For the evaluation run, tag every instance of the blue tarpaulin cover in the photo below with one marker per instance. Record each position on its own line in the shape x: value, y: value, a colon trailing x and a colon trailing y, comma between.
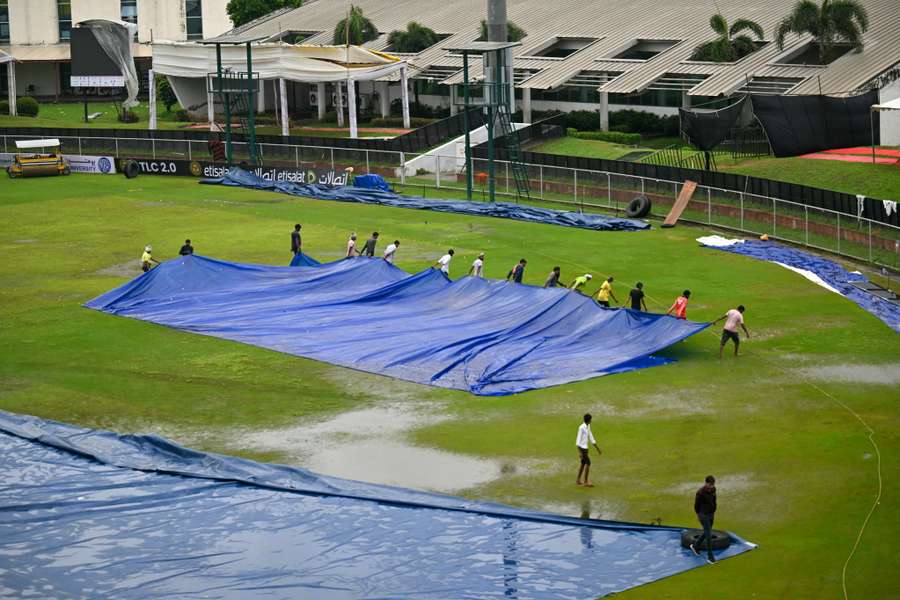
x: 304, y: 260
x: 830, y: 272
x: 371, y: 181
x: 520, y: 212
x: 485, y: 336
x: 91, y: 514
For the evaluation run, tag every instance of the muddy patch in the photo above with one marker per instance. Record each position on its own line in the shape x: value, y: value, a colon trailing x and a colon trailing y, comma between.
x: 886, y: 374
x: 129, y: 269
x: 370, y: 445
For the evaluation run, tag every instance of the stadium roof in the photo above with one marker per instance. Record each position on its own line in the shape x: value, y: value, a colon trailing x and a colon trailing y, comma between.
x: 596, y: 34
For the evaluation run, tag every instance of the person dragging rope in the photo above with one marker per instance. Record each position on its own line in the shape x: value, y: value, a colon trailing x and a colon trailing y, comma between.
x: 734, y: 318
x: 147, y: 259
x: 584, y: 438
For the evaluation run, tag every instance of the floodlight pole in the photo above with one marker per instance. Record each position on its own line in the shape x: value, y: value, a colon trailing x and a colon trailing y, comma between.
x: 466, y: 125
x: 224, y: 100
x: 251, y: 124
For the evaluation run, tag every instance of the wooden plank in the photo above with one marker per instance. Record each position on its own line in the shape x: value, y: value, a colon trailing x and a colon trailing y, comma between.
x: 687, y: 192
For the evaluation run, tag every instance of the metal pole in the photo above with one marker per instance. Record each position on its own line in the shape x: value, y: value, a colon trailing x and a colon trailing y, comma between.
x: 332, y: 158
x: 575, y: 182
x: 367, y: 162
x: 251, y: 109
x: 541, y: 172
x: 806, y: 225
x: 708, y: 205
x: 872, y: 132
x: 741, y: 194
x: 437, y: 171
x: 224, y: 100
x: 839, y: 233
x: 609, y: 193
x: 403, y: 169
x: 466, y: 125
x: 870, y: 240
x: 774, y: 217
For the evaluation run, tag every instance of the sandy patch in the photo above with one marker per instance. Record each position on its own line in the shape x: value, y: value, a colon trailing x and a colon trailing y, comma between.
x: 129, y: 269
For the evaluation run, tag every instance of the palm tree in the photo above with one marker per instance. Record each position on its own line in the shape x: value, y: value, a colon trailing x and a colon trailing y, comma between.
x: 415, y: 38
x: 356, y: 27
x: 514, y: 33
x: 729, y: 46
x: 829, y: 23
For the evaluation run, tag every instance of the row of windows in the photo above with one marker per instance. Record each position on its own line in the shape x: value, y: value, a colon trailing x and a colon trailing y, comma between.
x: 192, y: 8
x: 4, y: 22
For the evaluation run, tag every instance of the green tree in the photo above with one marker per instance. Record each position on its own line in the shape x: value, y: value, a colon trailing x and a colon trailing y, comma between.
x: 831, y: 22
x: 415, y: 38
x: 244, y: 11
x: 359, y: 27
x: 165, y: 93
x: 514, y: 33
x: 731, y: 45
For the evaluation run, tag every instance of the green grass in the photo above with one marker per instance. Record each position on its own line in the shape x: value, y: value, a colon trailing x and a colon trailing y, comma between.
x: 874, y: 180
x: 796, y: 470
x: 71, y: 115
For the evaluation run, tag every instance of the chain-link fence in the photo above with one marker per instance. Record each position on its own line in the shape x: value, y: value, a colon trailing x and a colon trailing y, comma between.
x: 441, y: 173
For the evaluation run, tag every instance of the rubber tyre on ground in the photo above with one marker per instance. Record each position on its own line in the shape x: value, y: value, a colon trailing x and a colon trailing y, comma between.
x: 720, y: 539
x: 67, y: 171
x: 12, y: 174
x: 638, y: 207
x: 131, y: 169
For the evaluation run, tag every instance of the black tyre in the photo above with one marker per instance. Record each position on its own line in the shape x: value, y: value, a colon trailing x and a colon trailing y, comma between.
x: 66, y: 170
x: 131, y: 169
x: 639, y: 207
x: 12, y: 174
x: 720, y: 539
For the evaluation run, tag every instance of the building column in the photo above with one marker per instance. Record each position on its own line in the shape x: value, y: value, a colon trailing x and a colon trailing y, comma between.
x: 11, y: 83
x: 151, y: 85
x: 404, y: 98
x: 351, y: 107
x: 261, y: 97
x: 526, y: 105
x: 685, y: 100
x: 339, y: 103
x: 210, y: 106
x: 384, y: 97
x: 511, y: 73
x: 322, y: 106
x: 285, y: 120
x: 453, y: 107
x: 604, y: 111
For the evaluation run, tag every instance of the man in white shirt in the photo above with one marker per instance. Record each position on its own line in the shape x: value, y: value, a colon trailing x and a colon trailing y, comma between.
x: 477, y: 266
x: 390, y: 251
x: 584, y: 438
x: 444, y: 262
x: 351, y: 246
x: 734, y: 318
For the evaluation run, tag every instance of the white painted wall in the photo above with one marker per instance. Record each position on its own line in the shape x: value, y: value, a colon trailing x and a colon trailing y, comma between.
x: 215, y: 18
x: 82, y: 10
x: 161, y: 20
x: 33, y: 22
x: 890, y: 119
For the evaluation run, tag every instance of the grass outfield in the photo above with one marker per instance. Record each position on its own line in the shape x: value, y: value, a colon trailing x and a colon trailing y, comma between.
x: 797, y: 473
x: 875, y: 180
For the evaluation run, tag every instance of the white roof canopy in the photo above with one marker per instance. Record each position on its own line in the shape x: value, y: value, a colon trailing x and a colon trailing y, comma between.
x: 890, y: 105
x: 29, y: 144
x: 309, y: 64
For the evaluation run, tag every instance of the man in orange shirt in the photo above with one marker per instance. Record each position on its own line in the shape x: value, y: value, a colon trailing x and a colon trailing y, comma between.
x: 680, y: 305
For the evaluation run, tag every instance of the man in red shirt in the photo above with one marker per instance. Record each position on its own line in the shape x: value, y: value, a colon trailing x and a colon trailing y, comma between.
x: 680, y: 305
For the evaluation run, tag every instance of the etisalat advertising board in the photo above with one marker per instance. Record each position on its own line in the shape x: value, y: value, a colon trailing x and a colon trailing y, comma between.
x: 211, y: 170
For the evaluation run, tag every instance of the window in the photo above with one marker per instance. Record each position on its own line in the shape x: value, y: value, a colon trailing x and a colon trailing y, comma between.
x: 4, y: 21
x: 193, y: 13
x: 129, y: 11
x: 808, y: 55
x: 560, y: 47
x: 644, y: 49
x: 292, y: 37
x: 64, y: 15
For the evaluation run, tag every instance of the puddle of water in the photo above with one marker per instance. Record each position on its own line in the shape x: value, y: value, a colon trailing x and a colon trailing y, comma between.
x: 25, y: 241
x: 725, y: 485
x: 887, y: 374
x: 369, y: 445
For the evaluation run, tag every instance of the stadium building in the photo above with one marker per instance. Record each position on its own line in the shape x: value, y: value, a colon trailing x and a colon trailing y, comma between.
x: 35, y: 33
x: 604, y: 55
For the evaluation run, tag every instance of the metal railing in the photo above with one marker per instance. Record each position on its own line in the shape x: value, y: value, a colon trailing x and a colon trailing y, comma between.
x: 585, y: 190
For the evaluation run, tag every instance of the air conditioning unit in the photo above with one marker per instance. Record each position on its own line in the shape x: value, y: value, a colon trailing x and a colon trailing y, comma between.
x: 334, y: 99
x: 313, y: 98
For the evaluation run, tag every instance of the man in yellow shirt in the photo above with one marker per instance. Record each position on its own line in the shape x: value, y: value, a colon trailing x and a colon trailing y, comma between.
x: 605, y: 293
x: 580, y: 282
x: 147, y: 258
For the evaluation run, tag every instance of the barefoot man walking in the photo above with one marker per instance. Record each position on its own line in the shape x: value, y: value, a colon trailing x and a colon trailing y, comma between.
x: 584, y: 438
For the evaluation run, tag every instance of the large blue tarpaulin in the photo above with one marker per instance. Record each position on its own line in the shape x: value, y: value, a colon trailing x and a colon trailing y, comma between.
x: 507, y: 210
x: 836, y: 276
x: 90, y: 514
x: 485, y: 336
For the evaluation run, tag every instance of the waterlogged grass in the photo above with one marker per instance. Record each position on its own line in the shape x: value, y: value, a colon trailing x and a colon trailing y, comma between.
x: 797, y: 474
